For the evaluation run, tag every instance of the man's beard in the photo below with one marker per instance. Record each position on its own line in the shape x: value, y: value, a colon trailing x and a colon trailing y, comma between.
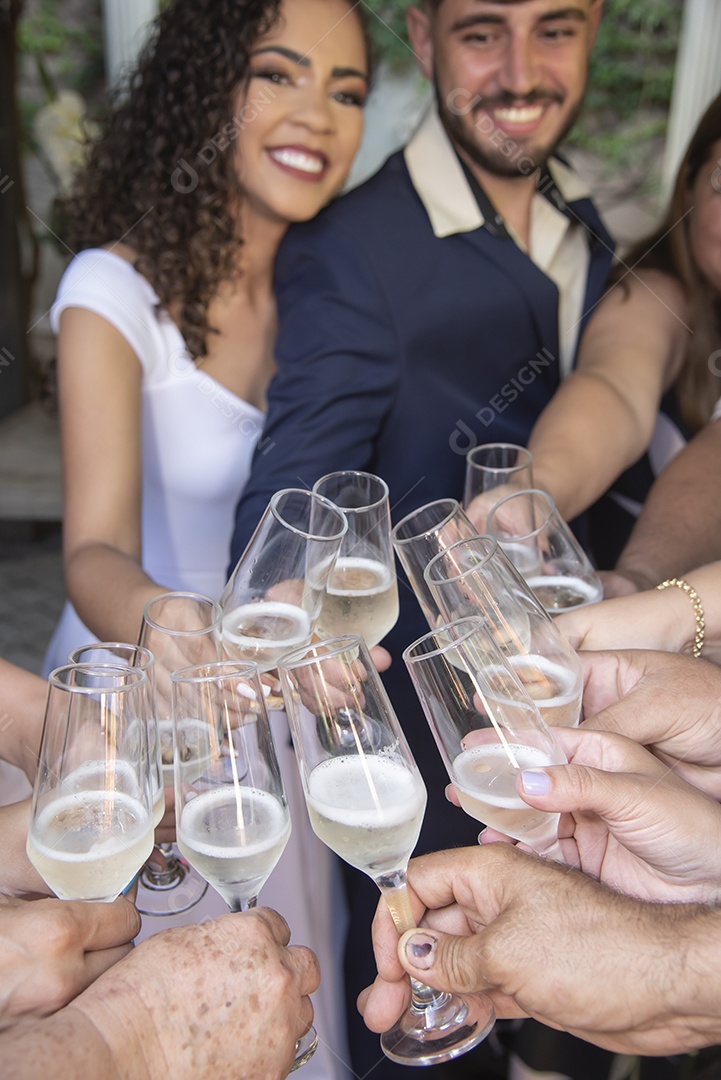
x: 519, y: 159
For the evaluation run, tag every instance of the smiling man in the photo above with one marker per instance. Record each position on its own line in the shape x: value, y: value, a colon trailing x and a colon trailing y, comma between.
x: 435, y: 307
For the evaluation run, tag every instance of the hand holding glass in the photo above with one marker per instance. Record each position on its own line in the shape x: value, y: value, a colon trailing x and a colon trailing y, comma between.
x: 362, y: 590
x: 231, y: 812
x: 538, y: 541
x: 487, y: 728
x: 474, y: 577
x: 366, y: 801
x: 273, y: 599
x: 91, y: 823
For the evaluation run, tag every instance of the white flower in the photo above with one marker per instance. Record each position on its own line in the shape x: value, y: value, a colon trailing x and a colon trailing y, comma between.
x: 61, y: 132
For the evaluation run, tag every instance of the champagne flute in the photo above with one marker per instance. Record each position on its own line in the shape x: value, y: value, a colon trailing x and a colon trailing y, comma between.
x: 274, y: 596
x: 474, y: 577
x: 91, y: 825
x: 366, y: 801
x: 121, y: 653
x: 496, y: 465
x: 422, y: 534
x: 362, y: 590
x: 487, y: 728
x: 538, y: 541
x: 232, y: 817
x: 180, y: 628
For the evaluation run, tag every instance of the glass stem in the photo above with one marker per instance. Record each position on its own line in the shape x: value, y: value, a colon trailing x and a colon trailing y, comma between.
x: 242, y: 903
x: 395, y: 892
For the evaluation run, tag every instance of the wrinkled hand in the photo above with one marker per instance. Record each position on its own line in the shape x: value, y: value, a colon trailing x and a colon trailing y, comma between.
x: 51, y: 950
x: 227, y: 997
x: 669, y: 703
x: 628, y: 821
x: 547, y: 942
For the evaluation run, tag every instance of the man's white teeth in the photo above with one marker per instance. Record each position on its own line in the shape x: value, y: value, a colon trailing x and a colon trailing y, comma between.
x: 526, y: 115
x: 296, y: 159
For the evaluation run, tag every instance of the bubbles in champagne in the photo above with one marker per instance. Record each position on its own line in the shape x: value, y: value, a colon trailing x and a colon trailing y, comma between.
x: 368, y: 809
x: 234, y: 837
x: 265, y: 630
x: 485, y: 780
x: 361, y: 598
x: 560, y: 593
x: 89, y: 844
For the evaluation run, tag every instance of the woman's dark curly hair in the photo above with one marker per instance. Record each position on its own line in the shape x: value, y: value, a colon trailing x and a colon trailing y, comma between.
x: 136, y: 185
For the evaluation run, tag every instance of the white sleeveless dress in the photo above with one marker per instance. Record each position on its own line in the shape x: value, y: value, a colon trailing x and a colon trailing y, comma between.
x: 198, y: 440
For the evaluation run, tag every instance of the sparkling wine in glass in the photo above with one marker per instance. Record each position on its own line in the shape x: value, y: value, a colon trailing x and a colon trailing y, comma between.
x: 420, y: 536
x: 474, y: 577
x: 366, y: 801
x: 538, y: 541
x: 122, y: 653
x: 232, y: 817
x: 486, y: 727
x: 274, y: 596
x: 362, y: 590
x: 91, y: 823
x: 180, y: 629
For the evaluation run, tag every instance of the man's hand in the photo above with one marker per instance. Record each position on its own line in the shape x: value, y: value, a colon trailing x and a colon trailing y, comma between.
x: 51, y: 950
x: 548, y: 942
x: 627, y: 820
x: 227, y: 997
x: 669, y: 703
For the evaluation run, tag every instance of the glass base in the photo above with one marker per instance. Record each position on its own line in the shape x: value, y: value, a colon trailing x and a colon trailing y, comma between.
x: 305, y: 1048
x: 430, y: 1036
x: 171, y: 891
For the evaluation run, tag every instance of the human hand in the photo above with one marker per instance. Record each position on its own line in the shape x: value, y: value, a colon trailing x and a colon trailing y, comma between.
x: 513, y: 518
x: 51, y: 950
x: 227, y: 997
x: 550, y: 943
x: 646, y: 620
x: 18, y: 876
x: 669, y: 703
x: 622, y: 583
x: 627, y: 820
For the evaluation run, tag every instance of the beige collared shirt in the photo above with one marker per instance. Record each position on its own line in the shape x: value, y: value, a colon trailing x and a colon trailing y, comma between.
x: 557, y: 245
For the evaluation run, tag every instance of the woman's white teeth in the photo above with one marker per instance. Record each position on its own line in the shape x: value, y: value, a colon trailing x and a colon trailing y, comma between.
x: 295, y: 159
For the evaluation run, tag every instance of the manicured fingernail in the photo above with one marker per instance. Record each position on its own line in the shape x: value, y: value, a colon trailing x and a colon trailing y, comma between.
x: 535, y: 783
x: 481, y: 834
x: 421, y: 950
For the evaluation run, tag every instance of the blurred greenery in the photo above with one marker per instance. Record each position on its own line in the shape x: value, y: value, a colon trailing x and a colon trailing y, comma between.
x: 57, y: 53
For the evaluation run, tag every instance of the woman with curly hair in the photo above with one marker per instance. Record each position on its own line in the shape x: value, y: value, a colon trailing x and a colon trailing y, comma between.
x: 242, y: 117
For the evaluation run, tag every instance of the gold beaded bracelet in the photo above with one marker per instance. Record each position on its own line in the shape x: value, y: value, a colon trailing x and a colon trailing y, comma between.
x: 697, y: 610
